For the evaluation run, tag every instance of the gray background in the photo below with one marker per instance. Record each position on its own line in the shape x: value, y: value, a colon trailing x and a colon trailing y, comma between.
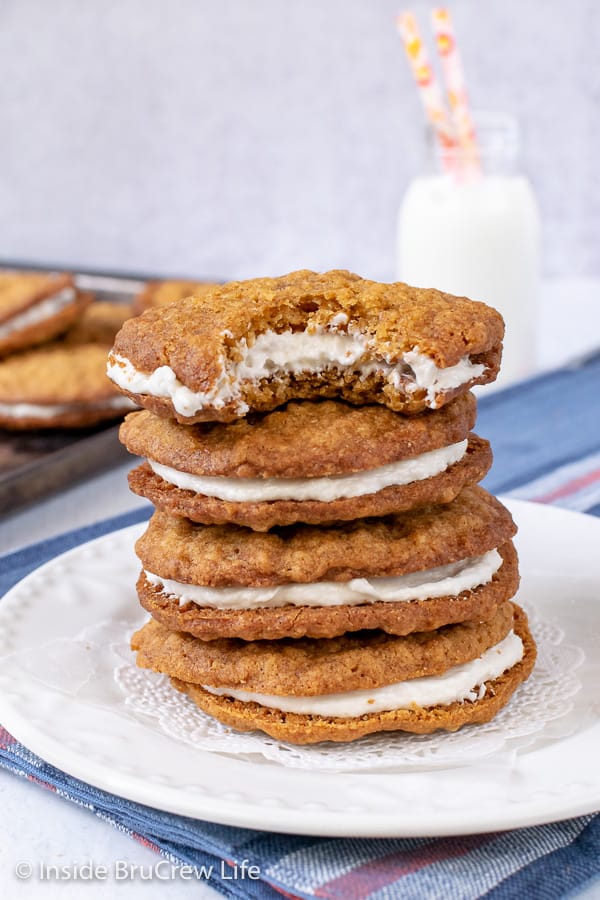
x: 232, y: 138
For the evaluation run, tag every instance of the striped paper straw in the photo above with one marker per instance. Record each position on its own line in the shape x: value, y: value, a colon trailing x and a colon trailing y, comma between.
x: 429, y: 89
x: 452, y: 71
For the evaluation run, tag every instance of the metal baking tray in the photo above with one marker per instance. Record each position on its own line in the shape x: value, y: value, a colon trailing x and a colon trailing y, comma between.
x: 34, y: 464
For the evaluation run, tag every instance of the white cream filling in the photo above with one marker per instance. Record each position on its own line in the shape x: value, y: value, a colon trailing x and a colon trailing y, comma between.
x: 460, y: 683
x: 48, y: 411
x: 434, y: 380
x: 45, y: 309
x: 249, y: 490
x: 313, y: 350
x: 164, y: 383
x: 443, y: 581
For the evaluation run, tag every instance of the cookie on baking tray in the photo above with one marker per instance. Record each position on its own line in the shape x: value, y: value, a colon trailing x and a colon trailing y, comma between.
x: 315, y: 462
x: 58, y: 386
x: 98, y: 323
x: 162, y: 293
x: 306, y: 691
x: 35, y: 307
x: 410, y: 572
x: 254, y: 345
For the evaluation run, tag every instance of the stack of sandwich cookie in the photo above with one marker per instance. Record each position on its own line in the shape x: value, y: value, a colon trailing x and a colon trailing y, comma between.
x: 321, y: 564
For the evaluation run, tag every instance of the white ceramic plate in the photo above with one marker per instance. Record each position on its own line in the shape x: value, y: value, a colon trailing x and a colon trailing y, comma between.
x: 556, y: 777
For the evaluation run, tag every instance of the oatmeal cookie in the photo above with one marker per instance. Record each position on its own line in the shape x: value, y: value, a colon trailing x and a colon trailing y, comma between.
x: 421, y: 539
x: 310, y: 668
x: 315, y: 462
x: 293, y: 621
x: 98, y: 323
x: 162, y: 293
x: 58, y: 386
x: 254, y: 345
x: 481, y: 704
x: 35, y: 307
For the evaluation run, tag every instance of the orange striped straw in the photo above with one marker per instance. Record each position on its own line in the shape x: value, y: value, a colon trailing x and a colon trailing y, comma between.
x: 429, y: 89
x: 453, y: 73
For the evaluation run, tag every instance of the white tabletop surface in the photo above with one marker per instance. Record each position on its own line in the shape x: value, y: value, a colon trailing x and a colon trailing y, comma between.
x: 36, y: 825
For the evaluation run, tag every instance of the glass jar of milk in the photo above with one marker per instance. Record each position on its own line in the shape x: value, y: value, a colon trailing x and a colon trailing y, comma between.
x: 472, y: 228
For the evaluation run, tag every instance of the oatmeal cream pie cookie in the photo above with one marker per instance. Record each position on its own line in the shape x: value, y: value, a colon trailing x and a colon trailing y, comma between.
x: 162, y: 293
x: 307, y: 691
x: 98, y: 323
x: 316, y: 462
x: 411, y: 572
x: 58, y: 386
x: 253, y: 345
x: 35, y: 307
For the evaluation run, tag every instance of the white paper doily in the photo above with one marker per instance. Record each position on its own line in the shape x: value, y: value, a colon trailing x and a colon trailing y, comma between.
x: 545, y: 697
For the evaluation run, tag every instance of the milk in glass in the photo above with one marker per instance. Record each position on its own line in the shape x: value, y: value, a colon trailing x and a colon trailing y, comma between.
x: 471, y: 227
